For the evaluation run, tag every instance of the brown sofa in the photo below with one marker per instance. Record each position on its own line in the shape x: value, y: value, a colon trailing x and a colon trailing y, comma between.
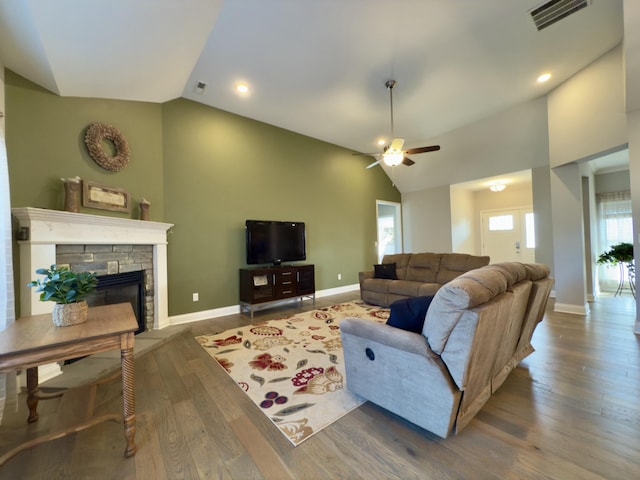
x: 477, y: 328
x: 418, y: 274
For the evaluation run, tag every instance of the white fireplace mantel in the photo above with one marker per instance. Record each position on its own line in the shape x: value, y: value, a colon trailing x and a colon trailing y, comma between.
x: 40, y: 230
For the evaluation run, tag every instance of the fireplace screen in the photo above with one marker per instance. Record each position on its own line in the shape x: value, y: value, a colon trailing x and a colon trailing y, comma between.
x: 121, y: 288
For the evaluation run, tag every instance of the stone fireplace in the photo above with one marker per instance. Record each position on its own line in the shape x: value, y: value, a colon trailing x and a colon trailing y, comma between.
x: 125, y: 274
x: 107, y: 245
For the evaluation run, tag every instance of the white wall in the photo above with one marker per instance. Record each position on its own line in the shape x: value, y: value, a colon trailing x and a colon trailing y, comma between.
x: 568, y: 239
x: 634, y: 170
x: 508, y: 141
x: 464, y: 222
x: 632, y: 98
x: 612, y: 182
x: 514, y: 196
x: 586, y: 113
x: 541, y: 190
x: 590, y: 222
x: 427, y: 220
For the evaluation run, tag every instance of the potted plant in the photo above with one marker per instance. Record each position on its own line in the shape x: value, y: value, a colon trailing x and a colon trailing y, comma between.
x: 68, y: 290
x: 621, y: 255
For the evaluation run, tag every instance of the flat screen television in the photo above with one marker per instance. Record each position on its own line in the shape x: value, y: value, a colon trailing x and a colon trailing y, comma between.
x: 274, y: 242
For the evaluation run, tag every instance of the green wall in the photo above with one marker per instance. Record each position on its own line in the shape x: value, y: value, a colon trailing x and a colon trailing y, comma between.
x: 206, y: 171
x: 45, y: 141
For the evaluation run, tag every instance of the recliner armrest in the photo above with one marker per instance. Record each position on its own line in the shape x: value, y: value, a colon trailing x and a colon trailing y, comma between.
x: 387, y: 335
x: 364, y: 275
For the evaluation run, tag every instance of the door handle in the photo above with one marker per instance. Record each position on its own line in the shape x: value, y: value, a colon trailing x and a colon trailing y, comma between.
x: 518, y: 245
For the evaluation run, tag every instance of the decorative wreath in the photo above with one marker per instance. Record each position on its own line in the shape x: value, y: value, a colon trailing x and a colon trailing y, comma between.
x: 96, y: 133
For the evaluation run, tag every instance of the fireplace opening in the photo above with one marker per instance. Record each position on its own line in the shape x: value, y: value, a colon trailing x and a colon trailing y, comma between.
x: 121, y: 288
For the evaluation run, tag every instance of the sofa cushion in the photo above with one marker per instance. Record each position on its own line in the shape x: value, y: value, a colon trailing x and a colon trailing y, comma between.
x: 423, y: 267
x: 428, y: 289
x: 401, y: 260
x: 385, y: 270
x: 409, y: 314
x: 453, y: 264
x: 514, y: 271
x: 537, y: 271
x: 379, y: 285
x: 453, y: 299
x: 404, y: 287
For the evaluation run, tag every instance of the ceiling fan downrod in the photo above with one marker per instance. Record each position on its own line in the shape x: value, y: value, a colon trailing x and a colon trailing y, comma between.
x: 390, y: 84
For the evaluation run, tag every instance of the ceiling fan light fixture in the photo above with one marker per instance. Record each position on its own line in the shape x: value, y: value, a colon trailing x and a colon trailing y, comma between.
x: 393, y: 158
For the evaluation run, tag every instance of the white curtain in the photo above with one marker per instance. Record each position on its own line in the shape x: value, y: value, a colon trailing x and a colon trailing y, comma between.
x: 615, y: 226
x: 7, y: 307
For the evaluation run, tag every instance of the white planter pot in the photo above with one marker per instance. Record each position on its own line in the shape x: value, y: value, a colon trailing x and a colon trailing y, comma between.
x: 65, y: 314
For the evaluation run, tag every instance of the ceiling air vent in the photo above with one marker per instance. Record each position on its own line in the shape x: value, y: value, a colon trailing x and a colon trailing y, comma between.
x: 199, y: 88
x: 555, y: 10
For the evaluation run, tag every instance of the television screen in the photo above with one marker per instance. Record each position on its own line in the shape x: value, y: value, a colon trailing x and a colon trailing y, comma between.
x: 275, y: 242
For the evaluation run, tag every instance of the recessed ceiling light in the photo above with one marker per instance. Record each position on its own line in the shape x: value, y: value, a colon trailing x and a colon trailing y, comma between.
x: 242, y: 88
x: 544, y: 77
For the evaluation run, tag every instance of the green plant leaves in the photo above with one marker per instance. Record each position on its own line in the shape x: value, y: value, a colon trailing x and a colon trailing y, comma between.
x: 61, y: 285
x: 619, y: 253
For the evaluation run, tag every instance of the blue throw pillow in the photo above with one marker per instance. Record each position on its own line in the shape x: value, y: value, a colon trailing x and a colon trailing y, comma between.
x: 409, y: 314
x: 385, y: 270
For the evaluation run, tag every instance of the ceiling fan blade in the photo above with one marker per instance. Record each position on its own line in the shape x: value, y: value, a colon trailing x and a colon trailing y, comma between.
x: 373, y: 164
x: 432, y: 148
x: 396, y: 144
x: 368, y: 154
x: 407, y: 161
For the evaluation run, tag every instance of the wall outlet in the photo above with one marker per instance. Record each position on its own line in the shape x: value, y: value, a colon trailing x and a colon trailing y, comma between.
x: 196, y: 297
x: 339, y: 276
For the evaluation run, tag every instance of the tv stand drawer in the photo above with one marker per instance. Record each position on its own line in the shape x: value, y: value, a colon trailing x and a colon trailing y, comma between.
x: 263, y: 285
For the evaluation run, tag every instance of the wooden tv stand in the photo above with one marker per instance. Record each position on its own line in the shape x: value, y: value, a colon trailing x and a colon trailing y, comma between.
x: 263, y: 287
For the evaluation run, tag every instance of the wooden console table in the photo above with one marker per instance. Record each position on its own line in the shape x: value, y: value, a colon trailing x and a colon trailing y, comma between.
x: 33, y: 341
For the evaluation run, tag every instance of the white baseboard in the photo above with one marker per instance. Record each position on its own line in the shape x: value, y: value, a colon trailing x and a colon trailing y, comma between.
x: 335, y: 291
x: 572, y: 309
x: 232, y: 309
x: 203, y: 315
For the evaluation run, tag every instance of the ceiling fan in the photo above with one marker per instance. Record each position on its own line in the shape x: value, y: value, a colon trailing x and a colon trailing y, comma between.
x: 393, y: 153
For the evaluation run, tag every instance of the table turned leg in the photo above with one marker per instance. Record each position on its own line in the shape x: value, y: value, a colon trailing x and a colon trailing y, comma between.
x: 32, y: 394
x: 129, y: 400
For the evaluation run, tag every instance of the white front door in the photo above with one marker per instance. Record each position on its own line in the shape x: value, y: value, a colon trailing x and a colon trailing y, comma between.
x: 508, y: 235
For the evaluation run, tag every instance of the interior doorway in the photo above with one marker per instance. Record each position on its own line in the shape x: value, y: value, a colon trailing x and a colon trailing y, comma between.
x: 389, y: 223
x: 509, y: 235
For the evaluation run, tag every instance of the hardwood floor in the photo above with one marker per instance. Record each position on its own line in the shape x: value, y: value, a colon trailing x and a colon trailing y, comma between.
x: 571, y: 410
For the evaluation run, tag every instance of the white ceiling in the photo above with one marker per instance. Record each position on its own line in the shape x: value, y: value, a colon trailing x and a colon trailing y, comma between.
x: 314, y: 67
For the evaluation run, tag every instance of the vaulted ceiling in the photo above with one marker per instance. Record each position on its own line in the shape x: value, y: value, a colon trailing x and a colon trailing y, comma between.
x: 314, y: 67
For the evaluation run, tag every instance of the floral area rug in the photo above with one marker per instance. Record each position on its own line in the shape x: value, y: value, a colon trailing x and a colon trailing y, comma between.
x: 293, y: 368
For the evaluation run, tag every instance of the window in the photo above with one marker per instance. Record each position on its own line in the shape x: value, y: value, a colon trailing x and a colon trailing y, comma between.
x: 530, y: 230
x: 615, y: 226
x: 501, y: 222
